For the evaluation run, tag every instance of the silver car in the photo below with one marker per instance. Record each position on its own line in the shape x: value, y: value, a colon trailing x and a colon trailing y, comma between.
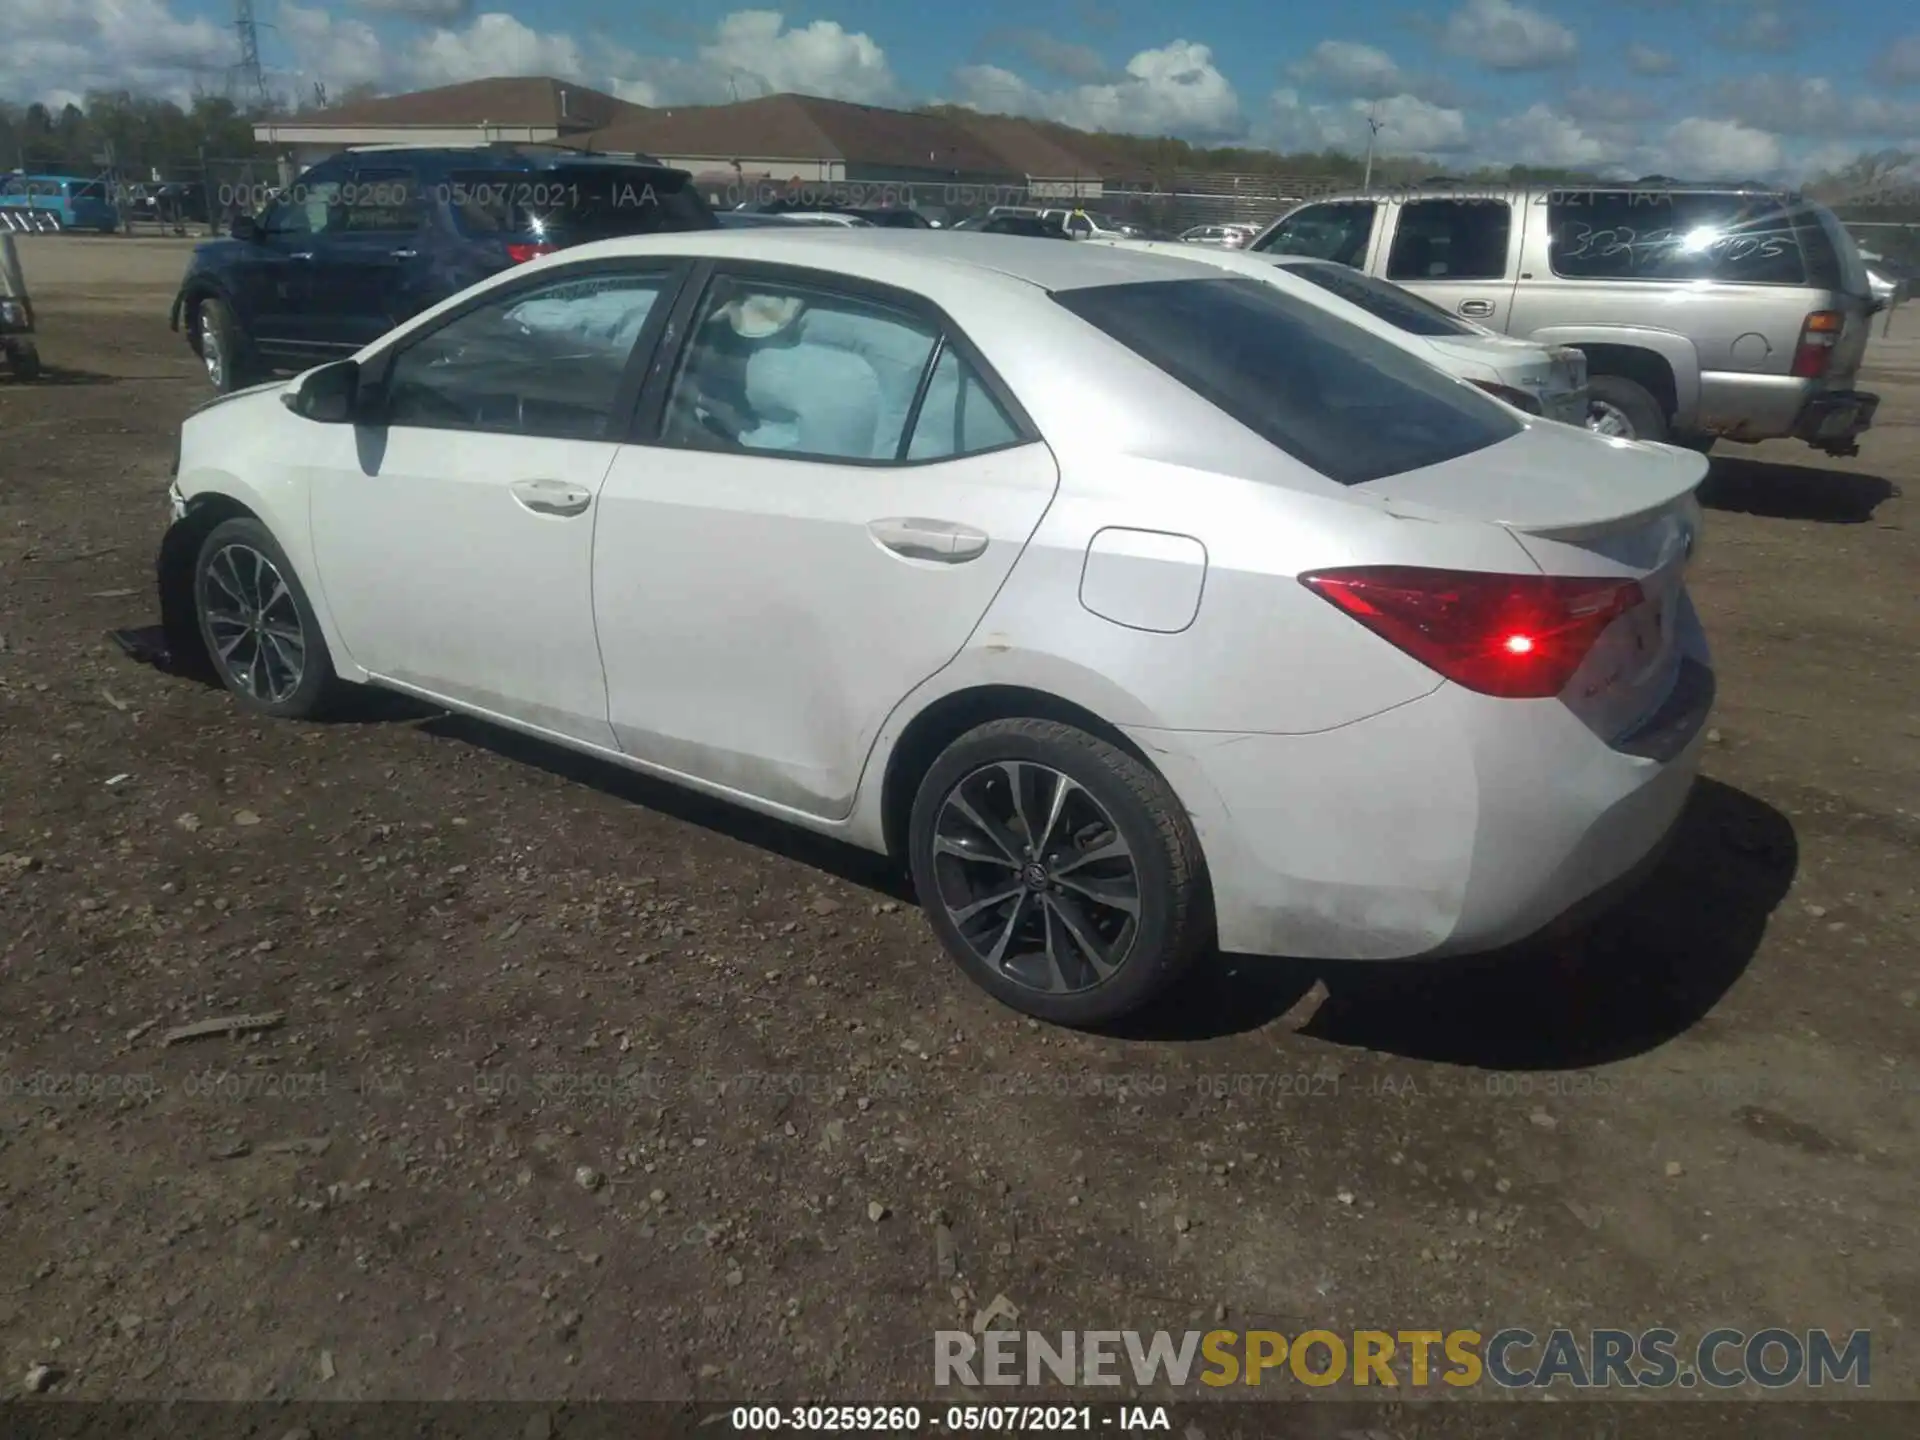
x: 1706, y: 314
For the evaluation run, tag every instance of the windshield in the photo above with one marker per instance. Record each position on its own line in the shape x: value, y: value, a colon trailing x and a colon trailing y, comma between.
x: 1381, y: 299
x: 570, y: 204
x: 1350, y: 404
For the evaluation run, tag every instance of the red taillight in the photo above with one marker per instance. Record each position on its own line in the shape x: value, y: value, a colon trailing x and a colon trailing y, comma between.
x: 1520, y: 637
x: 1519, y: 399
x: 1817, y: 339
x: 521, y: 254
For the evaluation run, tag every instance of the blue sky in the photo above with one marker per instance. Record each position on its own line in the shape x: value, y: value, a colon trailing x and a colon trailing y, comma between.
x: 1735, y: 87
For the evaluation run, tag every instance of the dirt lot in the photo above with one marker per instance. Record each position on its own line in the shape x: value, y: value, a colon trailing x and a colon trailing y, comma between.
x: 586, y: 1089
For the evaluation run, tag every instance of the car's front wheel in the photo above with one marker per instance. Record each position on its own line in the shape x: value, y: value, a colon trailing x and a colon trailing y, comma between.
x: 258, y: 625
x: 224, y: 350
x: 1059, y: 870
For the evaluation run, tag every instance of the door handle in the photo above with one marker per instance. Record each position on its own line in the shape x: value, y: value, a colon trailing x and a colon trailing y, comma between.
x: 552, y: 497
x: 1478, y: 309
x: 301, y: 255
x: 406, y: 254
x: 941, y: 540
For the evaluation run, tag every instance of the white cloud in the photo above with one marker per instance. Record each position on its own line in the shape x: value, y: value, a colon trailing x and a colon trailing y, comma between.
x: 1504, y: 36
x: 1764, y: 28
x: 1646, y: 60
x: 1614, y: 107
x: 493, y: 44
x: 1700, y: 148
x: 1812, y: 105
x: 337, y: 52
x: 1541, y: 135
x: 750, y: 52
x: 1408, y: 125
x: 1899, y: 63
x: 1173, y: 90
x: 63, y: 48
x: 1348, y: 68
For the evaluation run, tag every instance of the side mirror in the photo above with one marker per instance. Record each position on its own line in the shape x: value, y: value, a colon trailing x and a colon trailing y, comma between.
x: 245, y: 227
x: 327, y: 396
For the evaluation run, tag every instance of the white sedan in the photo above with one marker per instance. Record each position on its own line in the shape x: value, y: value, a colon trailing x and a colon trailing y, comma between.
x: 1131, y: 605
x: 1544, y: 380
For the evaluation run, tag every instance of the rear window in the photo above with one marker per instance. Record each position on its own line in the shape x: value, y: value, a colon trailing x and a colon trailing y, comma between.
x: 1664, y: 235
x: 1383, y: 300
x: 1351, y: 405
x: 567, y: 205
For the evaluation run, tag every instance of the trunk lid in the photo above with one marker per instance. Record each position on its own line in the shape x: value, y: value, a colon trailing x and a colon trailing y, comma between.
x: 1586, y: 505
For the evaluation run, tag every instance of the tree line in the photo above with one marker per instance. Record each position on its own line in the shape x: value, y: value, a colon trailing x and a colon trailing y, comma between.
x: 118, y: 130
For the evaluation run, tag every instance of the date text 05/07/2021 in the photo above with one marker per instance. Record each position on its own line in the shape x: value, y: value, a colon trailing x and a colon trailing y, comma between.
x: 949, y: 1419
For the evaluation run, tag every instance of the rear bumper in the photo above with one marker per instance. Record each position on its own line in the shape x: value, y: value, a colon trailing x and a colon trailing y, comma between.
x: 1750, y: 408
x: 1834, y: 420
x: 1451, y: 825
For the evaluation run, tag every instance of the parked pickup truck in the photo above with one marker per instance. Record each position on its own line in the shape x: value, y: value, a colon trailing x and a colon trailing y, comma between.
x: 1706, y: 313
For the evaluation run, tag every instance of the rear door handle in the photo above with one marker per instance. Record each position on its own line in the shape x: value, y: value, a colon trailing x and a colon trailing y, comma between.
x: 913, y: 538
x: 1478, y: 309
x: 552, y: 497
x: 406, y: 254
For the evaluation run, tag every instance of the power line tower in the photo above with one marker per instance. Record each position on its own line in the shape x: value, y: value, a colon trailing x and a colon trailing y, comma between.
x: 253, y: 80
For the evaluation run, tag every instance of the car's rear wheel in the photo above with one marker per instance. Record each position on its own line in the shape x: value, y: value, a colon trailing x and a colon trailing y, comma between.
x: 223, y: 349
x: 26, y: 361
x: 258, y: 625
x: 1059, y: 870
x: 1624, y: 408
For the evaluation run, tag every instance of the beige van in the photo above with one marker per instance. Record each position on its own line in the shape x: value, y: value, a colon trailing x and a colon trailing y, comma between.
x: 1706, y: 313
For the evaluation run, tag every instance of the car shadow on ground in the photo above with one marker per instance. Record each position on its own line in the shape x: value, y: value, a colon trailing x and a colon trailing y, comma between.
x: 59, y: 376
x: 856, y: 866
x: 1639, y: 976
x: 1794, y: 492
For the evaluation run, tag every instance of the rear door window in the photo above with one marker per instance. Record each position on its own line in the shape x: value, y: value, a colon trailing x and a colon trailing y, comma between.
x: 1451, y: 240
x: 1339, y: 231
x: 1352, y: 405
x: 382, y: 201
x: 1383, y: 300
x: 1667, y: 235
x: 572, y: 204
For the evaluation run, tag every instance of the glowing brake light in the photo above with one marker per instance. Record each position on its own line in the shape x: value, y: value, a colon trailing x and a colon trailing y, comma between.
x: 1519, y: 637
x: 1817, y: 338
x: 521, y: 254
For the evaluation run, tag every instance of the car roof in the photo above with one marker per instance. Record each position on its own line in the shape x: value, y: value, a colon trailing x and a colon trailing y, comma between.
x: 1497, y: 190
x: 898, y: 256
x: 504, y: 157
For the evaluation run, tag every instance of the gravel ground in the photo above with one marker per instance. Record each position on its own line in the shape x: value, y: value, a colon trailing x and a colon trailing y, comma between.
x: 588, y: 1089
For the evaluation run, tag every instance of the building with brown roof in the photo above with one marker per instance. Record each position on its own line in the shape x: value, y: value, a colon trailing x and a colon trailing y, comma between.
x: 528, y: 109
x: 751, y: 149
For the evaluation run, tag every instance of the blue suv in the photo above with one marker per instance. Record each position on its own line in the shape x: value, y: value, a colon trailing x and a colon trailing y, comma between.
x: 370, y: 238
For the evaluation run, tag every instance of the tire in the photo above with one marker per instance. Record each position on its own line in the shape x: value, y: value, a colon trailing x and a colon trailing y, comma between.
x: 1112, y: 794
x: 1629, y: 402
x: 237, y: 561
x: 231, y: 365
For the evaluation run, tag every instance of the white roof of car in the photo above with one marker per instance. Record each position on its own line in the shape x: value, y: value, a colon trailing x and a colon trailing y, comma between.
x: 890, y: 255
